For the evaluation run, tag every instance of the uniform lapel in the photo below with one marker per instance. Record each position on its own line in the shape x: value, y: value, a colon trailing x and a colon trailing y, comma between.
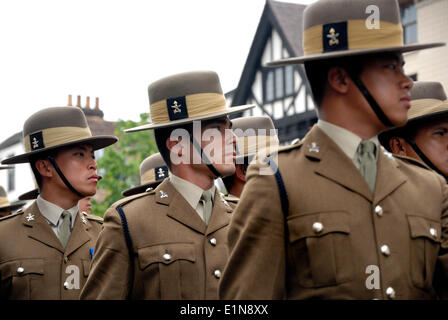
x: 332, y: 163
x: 388, y: 177
x: 220, y: 214
x: 79, y: 234
x: 38, y: 228
x: 179, y: 209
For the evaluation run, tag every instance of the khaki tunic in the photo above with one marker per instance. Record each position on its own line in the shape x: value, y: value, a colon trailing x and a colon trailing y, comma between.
x: 33, y: 263
x: 177, y: 256
x: 367, y: 246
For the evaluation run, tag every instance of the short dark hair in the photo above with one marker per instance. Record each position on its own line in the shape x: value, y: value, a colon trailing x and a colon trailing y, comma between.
x: 40, y: 156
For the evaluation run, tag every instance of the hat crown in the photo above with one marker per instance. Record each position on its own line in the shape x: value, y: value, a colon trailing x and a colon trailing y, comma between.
x: 184, y: 84
x: 427, y: 90
x: 55, y: 117
x: 334, y: 11
x: 2, y: 192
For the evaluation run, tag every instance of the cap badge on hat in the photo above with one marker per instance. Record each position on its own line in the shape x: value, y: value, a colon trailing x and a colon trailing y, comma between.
x: 161, y: 173
x: 37, y: 140
x: 335, y: 36
x: 177, y: 108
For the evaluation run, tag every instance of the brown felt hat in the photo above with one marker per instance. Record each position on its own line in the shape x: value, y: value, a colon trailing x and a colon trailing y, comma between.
x: 341, y: 28
x: 56, y: 127
x: 428, y: 103
x: 186, y: 97
x: 153, y: 170
x: 254, y: 134
x: 5, y: 204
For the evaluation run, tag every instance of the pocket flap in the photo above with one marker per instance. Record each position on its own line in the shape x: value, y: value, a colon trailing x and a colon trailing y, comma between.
x: 317, y: 224
x: 22, y: 267
x: 166, y: 253
x: 424, y: 227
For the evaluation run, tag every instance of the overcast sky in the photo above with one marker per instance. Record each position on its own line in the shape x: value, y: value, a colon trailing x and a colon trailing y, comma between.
x: 113, y: 49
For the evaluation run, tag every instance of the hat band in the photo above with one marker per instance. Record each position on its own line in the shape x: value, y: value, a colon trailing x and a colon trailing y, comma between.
x: 197, y: 105
x: 351, y: 35
x: 248, y: 145
x: 4, y: 202
x: 154, y: 175
x: 423, y: 107
x: 54, y: 136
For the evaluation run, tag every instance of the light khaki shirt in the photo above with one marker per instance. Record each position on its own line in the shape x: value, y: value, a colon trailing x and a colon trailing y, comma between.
x: 344, y: 139
x: 53, y: 213
x: 192, y: 193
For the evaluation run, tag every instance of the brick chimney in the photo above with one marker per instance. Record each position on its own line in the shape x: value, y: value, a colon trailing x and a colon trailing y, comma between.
x: 70, y: 100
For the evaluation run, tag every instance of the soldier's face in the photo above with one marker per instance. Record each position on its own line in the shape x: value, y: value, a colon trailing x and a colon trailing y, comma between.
x: 432, y: 139
x: 384, y: 77
x: 219, y: 144
x: 79, y: 167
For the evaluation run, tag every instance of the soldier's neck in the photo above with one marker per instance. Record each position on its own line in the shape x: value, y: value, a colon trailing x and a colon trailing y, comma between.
x: 198, y: 177
x: 64, y: 199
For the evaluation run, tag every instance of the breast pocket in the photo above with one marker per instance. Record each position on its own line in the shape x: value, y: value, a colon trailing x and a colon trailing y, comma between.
x: 173, y: 262
x: 320, y: 248
x: 22, y: 279
x: 425, y: 245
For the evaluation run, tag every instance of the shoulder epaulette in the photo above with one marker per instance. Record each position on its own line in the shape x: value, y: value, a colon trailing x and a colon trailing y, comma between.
x: 17, y: 213
x: 412, y: 161
x: 94, y: 218
x: 290, y: 147
x: 231, y: 198
x: 126, y: 200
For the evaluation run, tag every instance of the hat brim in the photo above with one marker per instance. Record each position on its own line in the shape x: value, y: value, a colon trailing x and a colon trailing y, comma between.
x: 14, y: 206
x: 228, y: 111
x: 349, y: 53
x: 6, y: 167
x: 30, y: 195
x: 140, y: 189
x: 97, y: 142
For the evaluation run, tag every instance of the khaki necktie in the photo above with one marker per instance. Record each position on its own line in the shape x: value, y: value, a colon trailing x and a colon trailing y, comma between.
x: 208, y: 205
x: 366, y: 159
x: 64, y: 228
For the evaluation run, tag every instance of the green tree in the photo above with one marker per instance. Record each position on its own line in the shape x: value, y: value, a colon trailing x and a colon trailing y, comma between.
x: 120, y: 165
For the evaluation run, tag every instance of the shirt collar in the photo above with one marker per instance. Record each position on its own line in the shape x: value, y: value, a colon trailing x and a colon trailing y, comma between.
x: 191, y: 192
x: 53, y: 212
x: 344, y: 139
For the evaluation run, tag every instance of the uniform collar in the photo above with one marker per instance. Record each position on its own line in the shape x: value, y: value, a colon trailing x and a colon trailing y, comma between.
x: 52, y: 212
x: 191, y: 192
x: 344, y: 139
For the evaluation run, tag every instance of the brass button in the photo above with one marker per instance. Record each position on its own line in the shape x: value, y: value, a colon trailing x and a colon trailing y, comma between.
x: 20, y: 270
x: 379, y: 211
x: 317, y: 227
x: 217, y: 274
x: 390, y: 292
x: 167, y: 256
x: 65, y: 259
x: 385, y: 250
x: 65, y: 285
x: 213, y: 241
x: 433, y: 232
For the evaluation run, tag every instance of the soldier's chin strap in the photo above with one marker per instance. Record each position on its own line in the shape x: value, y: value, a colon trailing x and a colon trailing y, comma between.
x: 372, y: 102
x: 425, y: 159
x: 64, y: 179
x: 205, y: 159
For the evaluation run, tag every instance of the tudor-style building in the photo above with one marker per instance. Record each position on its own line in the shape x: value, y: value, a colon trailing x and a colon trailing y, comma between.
x: 282, y: 93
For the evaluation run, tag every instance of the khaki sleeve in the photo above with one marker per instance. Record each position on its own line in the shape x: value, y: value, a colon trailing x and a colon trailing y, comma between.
x: 256, y: 266
x: 110, y: 274
x: 441, y: 273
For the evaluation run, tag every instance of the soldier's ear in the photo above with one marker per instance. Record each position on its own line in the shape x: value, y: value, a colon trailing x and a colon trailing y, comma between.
x: 398, y: 146
x: 338, y: 79
x: 44, y: 168
x: 240, y: 172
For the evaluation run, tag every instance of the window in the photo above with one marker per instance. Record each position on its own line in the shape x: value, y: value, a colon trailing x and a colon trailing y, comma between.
x: 278, y: 83
x: 409, y: 22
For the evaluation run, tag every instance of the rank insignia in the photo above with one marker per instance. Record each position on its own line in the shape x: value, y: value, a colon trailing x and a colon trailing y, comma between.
x: 177, y: 108
x: 29, y: 217
x: 37, y: 141
x: 313, y: 147
x: 334, y: 36
x: 163, y: 194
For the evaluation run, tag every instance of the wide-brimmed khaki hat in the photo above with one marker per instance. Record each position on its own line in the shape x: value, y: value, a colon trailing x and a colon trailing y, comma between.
x: 57, y: 127
x: 186, y: 97
x: 254, y: 134
x: 5, y: 205
x: 339, y: 28
x: 153, y: 170
x: 428, y: 103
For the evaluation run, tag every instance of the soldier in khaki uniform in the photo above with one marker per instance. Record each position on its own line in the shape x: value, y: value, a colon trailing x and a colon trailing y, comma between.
x: 340, y: 218
x: 5, y: 206
x: 425, y: 135
x: 254, y: 134
x: 45, y: 250
x: 170, y: 242
x: 153, y: 170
